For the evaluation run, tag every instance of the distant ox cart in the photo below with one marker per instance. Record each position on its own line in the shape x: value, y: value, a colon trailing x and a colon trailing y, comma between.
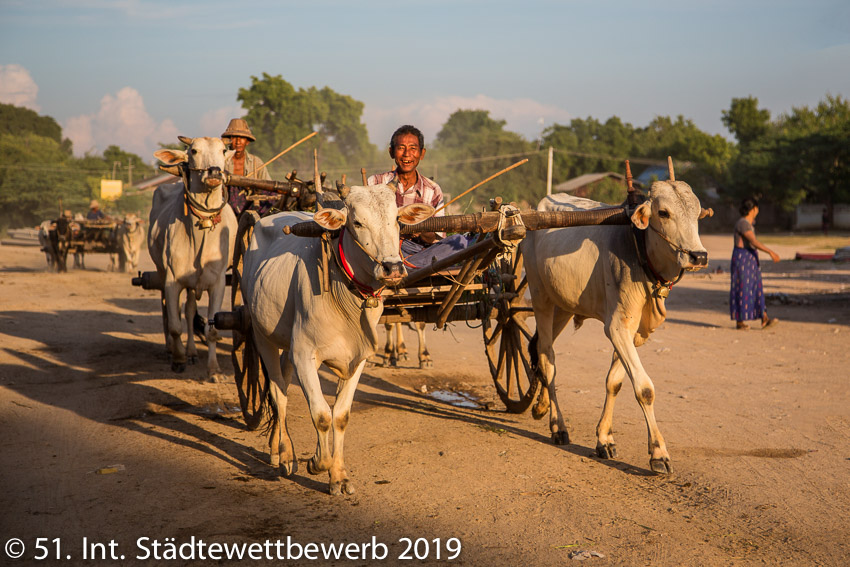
x: 119, y: 238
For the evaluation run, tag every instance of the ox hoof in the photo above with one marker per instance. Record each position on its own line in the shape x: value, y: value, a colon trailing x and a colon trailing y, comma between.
x: 192, y: 360
x: 426, y: 364
x: 178, y: 367
x: 342, y: 487
x: 314, y: 468
x: 560, y: 438
x: 217, y: 378
x: 608, y: 451
x: 289, y: 468
x: 660, y: 466
x: 539, y: 410
x: 402, y: 356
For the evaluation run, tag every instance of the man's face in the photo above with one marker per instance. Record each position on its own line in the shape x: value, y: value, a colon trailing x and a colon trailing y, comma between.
x: 238, y: 143
x: 407, y: 153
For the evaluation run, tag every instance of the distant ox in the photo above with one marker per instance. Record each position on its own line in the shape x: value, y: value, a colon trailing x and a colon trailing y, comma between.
x: 619, y: 275
x: 191, y: 235
x: 46, y: 245
x: 129, y: 235
x: 283, y: 291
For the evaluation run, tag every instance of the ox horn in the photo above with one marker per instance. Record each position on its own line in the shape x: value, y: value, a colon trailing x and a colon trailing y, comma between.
x: 670, y: 169
x: 186, y: 140
x: 705, y: 213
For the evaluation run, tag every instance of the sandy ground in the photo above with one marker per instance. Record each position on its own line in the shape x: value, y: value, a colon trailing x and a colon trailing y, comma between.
x: 757, y: 424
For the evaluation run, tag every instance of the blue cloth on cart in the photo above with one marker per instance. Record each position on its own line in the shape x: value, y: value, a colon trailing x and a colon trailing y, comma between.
x: 421, y: 257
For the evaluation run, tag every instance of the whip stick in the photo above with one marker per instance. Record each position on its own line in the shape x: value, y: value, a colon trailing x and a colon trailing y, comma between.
x: 480, y: 183
x: 304, y: 139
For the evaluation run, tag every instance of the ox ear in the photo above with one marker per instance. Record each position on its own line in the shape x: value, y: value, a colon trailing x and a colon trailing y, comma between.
x: 640, y: 218
x: 171, y: 157
x: 330, y: 219
x: 415, y: 213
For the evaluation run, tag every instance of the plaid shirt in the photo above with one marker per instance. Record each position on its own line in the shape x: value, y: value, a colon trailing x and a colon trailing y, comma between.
x: 423, y: 191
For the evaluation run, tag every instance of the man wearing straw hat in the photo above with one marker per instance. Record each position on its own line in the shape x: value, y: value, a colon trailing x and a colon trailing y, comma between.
x: 407, y: 148
x: 94, y: 211
x: 238, y: 135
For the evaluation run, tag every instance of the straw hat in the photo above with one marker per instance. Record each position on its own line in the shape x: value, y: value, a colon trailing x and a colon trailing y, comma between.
x: 94, y: 204
x: 238, y: 127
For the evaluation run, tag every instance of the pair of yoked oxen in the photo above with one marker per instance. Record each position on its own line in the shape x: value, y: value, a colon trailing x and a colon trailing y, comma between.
x: 600, y: 272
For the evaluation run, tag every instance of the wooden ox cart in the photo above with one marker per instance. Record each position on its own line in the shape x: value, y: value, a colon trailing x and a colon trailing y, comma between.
x: 484, y: 282
x: 80, y: 237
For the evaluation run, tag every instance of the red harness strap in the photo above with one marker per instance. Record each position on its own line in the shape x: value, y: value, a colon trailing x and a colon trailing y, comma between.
x: 364, y: 290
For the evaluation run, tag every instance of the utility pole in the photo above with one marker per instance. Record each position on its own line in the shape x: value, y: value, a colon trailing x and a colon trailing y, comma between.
x: 114, y: 165
x: 129, y: 172
x: 549, y: 172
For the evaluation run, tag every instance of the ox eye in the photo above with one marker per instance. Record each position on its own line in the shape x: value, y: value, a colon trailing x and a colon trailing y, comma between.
x: 194, y: 151
x: 664, y: 214
x: 358, y: 224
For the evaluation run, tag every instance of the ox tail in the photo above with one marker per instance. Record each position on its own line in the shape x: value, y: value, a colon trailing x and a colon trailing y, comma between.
x: 532, y: 353
x: 268, y: 407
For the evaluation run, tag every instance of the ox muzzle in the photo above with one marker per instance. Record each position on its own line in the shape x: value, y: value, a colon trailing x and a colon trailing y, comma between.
x: 391, y: 273
x: 698, y: 259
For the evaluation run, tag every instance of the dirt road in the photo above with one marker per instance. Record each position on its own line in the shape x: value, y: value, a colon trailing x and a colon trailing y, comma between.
x: 757, y: 423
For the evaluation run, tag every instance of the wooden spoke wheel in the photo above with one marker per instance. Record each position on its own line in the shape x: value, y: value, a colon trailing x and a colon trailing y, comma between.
x: 507, y: 325
x: 252, y: 385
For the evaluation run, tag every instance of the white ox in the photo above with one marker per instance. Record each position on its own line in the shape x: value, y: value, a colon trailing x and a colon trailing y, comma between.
x: 282, y: 288
x: 190, y: 238
x: 596, y: 272
x: 129, y: 235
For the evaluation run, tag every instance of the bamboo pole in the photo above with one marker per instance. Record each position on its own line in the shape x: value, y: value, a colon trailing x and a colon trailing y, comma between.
x: 480, y: 183
x: 304, y: 139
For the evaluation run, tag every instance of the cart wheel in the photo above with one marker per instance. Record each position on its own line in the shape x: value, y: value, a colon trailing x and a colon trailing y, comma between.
x: 252, y: 385
x: 506, y: 334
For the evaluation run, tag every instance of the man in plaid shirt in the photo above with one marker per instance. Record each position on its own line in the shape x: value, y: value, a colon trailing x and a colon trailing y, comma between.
x: 407, y: 148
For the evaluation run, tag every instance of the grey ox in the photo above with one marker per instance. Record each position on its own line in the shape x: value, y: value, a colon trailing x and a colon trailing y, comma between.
x: 596, y: 272
x: 282, y: 288
x: 190, y: 239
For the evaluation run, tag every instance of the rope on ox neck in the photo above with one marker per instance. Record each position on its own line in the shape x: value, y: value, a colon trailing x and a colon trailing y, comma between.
x: 370, y: 294
x: 661, y: 287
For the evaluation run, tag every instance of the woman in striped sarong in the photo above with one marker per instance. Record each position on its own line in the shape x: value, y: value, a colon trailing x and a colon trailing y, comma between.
x: 746, y: 296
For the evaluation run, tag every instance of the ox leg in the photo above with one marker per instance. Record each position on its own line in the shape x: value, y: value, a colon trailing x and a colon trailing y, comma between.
x: 172, y: 309
x: 424, y: 355
x: 306, y: 367
x: 401, y: 348
x: 191, y: 309
x: 549, y: 326
x: 605, y: 446
x: 623, y: 340
x: 216, y: 296
x: 390, y: 352
x: 340, y: 483
x: 280, y: 369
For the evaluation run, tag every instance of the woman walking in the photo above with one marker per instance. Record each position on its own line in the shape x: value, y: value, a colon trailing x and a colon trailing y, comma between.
x: 746, y: 296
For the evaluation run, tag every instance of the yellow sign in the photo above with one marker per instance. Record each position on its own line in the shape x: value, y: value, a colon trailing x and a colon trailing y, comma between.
x: 110, y: 189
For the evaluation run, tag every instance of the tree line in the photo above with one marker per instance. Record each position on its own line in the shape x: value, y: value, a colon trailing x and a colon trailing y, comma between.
x: 40, y: 177
x: 797, y: 157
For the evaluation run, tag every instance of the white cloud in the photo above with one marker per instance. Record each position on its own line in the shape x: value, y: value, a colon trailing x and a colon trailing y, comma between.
x: 214, y: 122
x: 18, y: 87
x: 523, y: 115
x: 123, y: 121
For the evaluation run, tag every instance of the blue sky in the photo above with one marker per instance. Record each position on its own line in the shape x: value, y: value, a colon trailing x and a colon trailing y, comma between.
x: 136, y: 72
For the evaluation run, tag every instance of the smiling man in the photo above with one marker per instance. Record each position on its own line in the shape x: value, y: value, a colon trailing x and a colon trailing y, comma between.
x: 238, y: 135
x: 407, y: 148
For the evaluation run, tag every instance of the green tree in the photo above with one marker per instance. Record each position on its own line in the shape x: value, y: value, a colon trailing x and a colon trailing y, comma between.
x: 19, y: 120
x: 745, y: 121
x: 802, y: 157
x: 280, y: 115
x: 462, y: 153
